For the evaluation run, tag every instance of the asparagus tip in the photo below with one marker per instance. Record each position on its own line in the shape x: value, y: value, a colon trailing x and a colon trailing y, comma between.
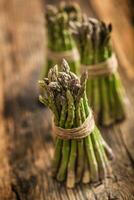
x: 41, y: 83
x: 65, y: 66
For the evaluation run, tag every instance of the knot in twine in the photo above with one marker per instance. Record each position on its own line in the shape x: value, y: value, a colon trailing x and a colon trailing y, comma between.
x: 69, y: 55
x: 76, y: 133
x: 102, y: 69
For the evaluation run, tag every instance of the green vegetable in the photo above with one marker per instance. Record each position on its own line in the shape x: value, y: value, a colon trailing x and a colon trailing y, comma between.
x: 75, y: 160
x: 60, y: 40
x: 105, y: 92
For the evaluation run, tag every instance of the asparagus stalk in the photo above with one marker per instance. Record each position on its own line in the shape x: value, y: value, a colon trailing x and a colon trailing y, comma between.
x: 68, y: 161
x: 71, y: 165
x: 80, y: 143
x: 59, y: 142
x: 75, y: 160
x: 57, y: 156
x: 86, y: 174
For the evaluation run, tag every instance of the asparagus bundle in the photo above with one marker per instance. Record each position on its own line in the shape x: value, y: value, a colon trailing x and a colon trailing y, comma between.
x: 104, y: 88
x: 81, y: 154
x: 60, y: 42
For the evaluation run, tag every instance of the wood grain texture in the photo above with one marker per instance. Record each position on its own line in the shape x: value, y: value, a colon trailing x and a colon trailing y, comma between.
x: 26, y: 145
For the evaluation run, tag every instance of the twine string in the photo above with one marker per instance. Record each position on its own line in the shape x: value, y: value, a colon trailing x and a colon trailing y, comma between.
x: 101, y: 69
x: 69, y: 55
x: 76, y: 133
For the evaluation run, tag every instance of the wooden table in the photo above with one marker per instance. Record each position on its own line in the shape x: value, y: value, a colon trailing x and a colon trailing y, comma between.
x: 26, y: 146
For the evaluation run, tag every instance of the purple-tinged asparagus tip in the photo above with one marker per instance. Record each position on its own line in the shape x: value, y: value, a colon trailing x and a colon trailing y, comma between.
x: 65, y: 66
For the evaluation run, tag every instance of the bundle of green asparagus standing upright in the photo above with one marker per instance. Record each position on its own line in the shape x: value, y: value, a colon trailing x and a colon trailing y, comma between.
x: 104, y: 88
x: 60, y: 42
x: 81, y: 154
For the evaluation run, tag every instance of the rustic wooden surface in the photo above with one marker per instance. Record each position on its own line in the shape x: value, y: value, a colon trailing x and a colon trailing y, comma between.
x: 26, y: 146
